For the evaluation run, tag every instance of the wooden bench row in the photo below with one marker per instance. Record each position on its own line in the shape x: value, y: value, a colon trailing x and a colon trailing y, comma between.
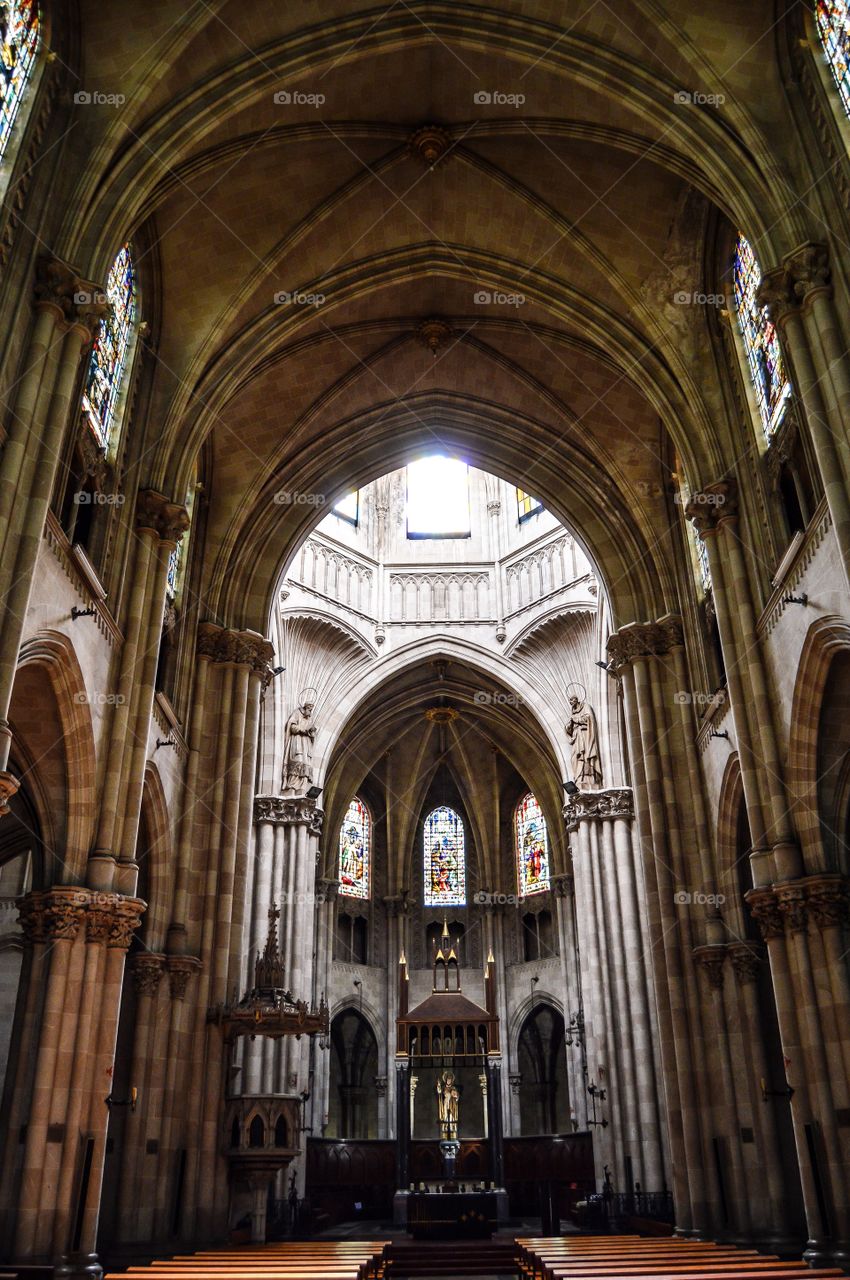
x: 288, y: 1260
x: 586, y: 1258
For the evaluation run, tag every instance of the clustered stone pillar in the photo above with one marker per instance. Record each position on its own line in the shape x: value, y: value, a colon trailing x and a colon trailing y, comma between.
x: 563, y: 891
x: 617, y: 984
x: 678, y: 892
x: 286, y: 844
x: 801, y: 922
x: 220, y: 811
x: 802, y: 976
x: 80, y: 938
x: 68, y: 310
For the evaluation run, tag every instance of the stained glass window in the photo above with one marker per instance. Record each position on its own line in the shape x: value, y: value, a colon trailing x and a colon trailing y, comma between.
x: 348, y: 508
x: 761, y: 342
x: 109, y: 352
x: 532, y: 847
x: 833, y: 21
x: 444, y: 861
x: 526, y: 505
x: 19, y: 33
x: 702, y: 560
x: 354, y: 840
x: 173, y: 566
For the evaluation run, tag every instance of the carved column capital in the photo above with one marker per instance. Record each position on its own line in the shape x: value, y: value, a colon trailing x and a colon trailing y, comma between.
x: 791, y: 900
x: 242, y: 648
x: 746, y: 961
x: 645, y: 640
x: 613, y: 802
x: 828, y: 900
x: 32, y: 917
x: 711, y: 959
x: 8, y: 786
x: 180, y: 970
x: 775, y: 293
x: 126, y: 918
x: 766, y: 913
x: 77, y: 302
x: 64, y: 912
x: 807, y: 269
x: 147, y: 970
x: 168, y: 520
x: 716, y: 502
x: 562, y: 885
x: 289, y: 810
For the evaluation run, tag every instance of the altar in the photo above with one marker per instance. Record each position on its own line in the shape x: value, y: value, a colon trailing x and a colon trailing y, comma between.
x: 448, y: 1077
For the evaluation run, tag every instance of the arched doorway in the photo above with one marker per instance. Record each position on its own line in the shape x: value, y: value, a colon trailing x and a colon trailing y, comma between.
x: 353, y: 1101
x: 544, y: 1101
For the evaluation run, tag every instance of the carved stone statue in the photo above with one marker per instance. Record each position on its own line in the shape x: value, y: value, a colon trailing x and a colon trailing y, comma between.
x: 447, y: 1104
x: 584, y: 744
x: 298, y: 759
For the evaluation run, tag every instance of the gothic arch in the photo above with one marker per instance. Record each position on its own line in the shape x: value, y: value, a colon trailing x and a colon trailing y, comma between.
x: 826, y: 640
x: 53, y: 653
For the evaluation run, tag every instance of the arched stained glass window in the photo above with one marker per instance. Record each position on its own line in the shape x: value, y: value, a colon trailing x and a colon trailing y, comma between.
x: 109, y: 352
x: 833, y: 23
x: 19, y: 35
x: 526, y: 505
x: 444, y: 859
x: 354, y: 850
x: 532, y: 847
x: 761, y: 342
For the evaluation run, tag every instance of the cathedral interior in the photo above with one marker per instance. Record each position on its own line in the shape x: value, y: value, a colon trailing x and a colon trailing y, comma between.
x: 425, y: 643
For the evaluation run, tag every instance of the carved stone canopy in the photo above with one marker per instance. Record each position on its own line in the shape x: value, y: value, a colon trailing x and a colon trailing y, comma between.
x: 613, y: 802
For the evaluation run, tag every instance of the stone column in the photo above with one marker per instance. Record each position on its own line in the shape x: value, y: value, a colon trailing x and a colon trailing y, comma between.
x: 662, y: 792
x: 562, y: 889
x: 158, y: 1183
x: 68, y: 311
x: 147, y: 969
x: 90, y: 934
x: 239, y: 670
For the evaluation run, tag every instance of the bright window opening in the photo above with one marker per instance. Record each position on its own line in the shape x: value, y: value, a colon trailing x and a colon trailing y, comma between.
x: 438, y: 498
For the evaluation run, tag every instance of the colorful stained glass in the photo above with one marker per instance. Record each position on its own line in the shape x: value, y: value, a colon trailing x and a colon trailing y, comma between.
x: 833, y: 22
x: 19, y: 36
x: 354, y: 851
x: 444, y: 860
x: 526, y: 505
x: 761, y: 341
x: 702, y: 560
x: 532, y: 847
x: 109, y: 352
x: 173, y: 567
